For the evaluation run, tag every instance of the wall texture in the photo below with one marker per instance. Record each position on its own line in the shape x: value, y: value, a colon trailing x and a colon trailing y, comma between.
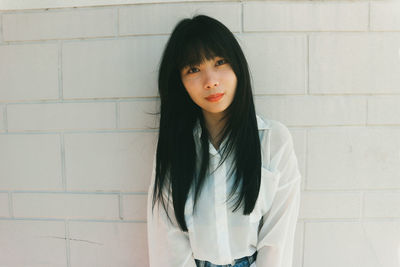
x: 76, y: 137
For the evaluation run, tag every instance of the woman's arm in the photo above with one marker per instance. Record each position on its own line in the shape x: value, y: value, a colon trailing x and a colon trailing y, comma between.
x: 276, y: 236
x: 168, y: 245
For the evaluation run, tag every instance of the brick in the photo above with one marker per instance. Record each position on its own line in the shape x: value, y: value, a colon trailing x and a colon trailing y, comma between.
x: 385, y: 16
x: 111, y: 68
x: 108, y: 244
x: 354, y: 63
x: 383, y: 239
x: 314, y: 110
x: 135, y: 19
x: 345, y: 244
x: 66, y: 205
x: 384, y: 109
x: 109, y: 161
x: 59, y: 24
x: 316, y: 205
x: 305, y: 16
x: 134, y: 207
x: 353, y: 158
x: 30, y: 162
x: 136, y: 114
x: 36, y: 63
x: 382, y: 204
x: 277, y: 63
x: 32, y: 243
x: 61, y: 116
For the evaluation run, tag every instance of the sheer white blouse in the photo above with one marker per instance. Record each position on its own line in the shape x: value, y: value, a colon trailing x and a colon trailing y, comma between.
x: 218, y: 235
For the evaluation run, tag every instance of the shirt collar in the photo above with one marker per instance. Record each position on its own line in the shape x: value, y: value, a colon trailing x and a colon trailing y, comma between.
x: 262, y: 124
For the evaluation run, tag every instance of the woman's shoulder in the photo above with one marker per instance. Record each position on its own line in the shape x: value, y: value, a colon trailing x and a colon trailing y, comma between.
x: 278, y: 146
x: 277, y: 143
x: 278, y: 130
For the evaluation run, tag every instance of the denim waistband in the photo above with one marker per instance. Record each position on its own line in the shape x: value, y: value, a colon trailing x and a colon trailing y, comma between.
x: 250, y: 259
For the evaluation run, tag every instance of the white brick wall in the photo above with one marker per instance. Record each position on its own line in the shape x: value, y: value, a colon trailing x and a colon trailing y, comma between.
x: 76, y: 137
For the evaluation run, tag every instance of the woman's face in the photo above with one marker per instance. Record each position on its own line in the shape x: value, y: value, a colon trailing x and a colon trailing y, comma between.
x: 212, y: 77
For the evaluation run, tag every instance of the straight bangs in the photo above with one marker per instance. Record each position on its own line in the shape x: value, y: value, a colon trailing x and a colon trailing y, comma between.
x: 202, y: 44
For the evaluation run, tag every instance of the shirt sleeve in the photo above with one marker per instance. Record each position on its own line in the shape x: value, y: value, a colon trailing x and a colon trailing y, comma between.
x: 276, y: 236
x: 168, y: 245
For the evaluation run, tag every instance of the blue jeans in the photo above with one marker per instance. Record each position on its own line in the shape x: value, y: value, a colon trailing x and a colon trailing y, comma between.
x: 242, y: 262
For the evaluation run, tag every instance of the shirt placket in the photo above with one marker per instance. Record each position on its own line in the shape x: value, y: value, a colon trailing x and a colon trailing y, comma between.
x: 221, y: 209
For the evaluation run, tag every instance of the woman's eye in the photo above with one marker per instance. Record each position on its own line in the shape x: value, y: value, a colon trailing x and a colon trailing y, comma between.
x: 190, y: 70
x: 221, y: 60
x: 194, y: 69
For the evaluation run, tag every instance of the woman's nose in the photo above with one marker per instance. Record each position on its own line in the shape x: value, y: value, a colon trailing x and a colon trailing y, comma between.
x: 211, y: 80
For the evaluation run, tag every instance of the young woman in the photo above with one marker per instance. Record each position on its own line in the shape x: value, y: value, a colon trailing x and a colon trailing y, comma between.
x: 212, y: 149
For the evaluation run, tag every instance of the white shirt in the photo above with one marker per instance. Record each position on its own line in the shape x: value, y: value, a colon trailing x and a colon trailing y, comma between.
x: 218, y: 235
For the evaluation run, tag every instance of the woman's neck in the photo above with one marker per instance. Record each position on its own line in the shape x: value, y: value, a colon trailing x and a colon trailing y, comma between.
x: 214, y: 124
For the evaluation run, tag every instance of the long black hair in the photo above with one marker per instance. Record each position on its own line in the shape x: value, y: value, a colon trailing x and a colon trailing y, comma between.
x: 192, y: 41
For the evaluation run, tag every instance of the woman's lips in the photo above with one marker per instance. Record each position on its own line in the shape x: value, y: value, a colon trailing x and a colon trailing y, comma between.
x: 215, y: 97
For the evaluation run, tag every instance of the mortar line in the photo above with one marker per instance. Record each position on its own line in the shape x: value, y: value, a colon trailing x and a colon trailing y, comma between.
x: 59, y: 70
x: 303, y: 244
x: 5, y: 119
x: 121, y: 215
x: 369, y: 16
x: 116, y: 28
x: 117, y: 115
x: 306, y: 160
x: 241, y: 17
x: 366, y: 112
x: 10, y: 205
x: 1, y: 28
x: 67, y: 244
x: 308, y: 65
x: 63, y: 169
